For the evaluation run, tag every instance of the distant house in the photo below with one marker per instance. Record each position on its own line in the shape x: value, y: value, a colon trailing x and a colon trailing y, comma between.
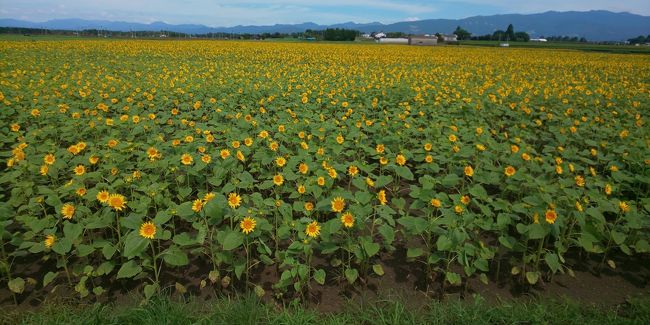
x: 379, y: 35
x: 422, y: 40
x: 538, y: 40
x: 449, y: 37
x: 366, y: 36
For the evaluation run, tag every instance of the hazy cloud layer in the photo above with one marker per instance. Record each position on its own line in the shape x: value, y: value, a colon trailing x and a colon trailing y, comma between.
x: 258, y: 12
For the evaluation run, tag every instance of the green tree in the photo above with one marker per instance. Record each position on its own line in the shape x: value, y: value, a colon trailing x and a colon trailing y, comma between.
x: 510, y: 33
x: 522, y: 37
x: 462, y: 33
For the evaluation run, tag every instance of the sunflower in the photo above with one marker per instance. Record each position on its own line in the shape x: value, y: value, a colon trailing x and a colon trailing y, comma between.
x: 400, y: 160
x: 370, y: 182
x: 313, y: 229
x: 514, y: 148
x: 332, y: 173
x: 247, y: 225
x: 353, y: 171
x: 73, y: 149
x: 81, y: 191
x: 380, y: 148
x: 458, y: 209
x: 240, y: 156
x: 112, y: 143
x: 579, y: 206
x: 225, y: 153
x: 428, y: 159
x: 436, y: 203
x: 263, y: 134
x: 278, y: 179
x: 381, y: 196
x: 608, y: 189
x: 347, y: 219
x: 280, y: 161
x: 320, y: 181
x: 197, y: 205
x: 206, y: 159
x: 525, y: 156
x: 428, y: 146
x: 79, y: 170
x: 103, y: 196
x: 452, y: 138
x: 49, y: 159
x: 148, y: 230
x: 301, y: 189
x: 49, y: 241
x: 186, y: 159
x: 308, y: 206
x: 580, y: 181
x: 152, y: 153
x: 44, y: 169
x: 117, y: 202
x: 234, y: 200
x: 550, y: 216
x: 469, y: 171
x: 623, y: 206
x: 67, y: 211
x: 338, y: 204
x: 93, y: 160
x: 209, y: 196
x: 510, y: 171
x: 465, y: 199
x: 339, y: 139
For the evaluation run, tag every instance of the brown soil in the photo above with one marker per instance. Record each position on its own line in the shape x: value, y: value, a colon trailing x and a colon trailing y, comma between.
x: 402, y: 278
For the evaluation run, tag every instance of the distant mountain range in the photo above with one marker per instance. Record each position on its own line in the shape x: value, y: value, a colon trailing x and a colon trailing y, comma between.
x: 594, y: 25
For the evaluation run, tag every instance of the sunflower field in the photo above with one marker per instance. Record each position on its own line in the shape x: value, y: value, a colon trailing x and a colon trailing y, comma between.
x: 124, y: 159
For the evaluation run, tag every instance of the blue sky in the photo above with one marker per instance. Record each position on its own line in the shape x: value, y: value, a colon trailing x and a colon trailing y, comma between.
x: 258, y: 12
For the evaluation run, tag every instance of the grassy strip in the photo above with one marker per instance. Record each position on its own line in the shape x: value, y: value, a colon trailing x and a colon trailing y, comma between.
x: 248, y: 310
x: 619, y: 49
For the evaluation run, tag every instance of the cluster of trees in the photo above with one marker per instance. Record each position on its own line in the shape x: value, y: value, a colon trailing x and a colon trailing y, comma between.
x: 331, y: 34
x: 91, y: 32
x: 573, y: 39
x: 639, y: 39
x: 508, y: 35
x: 462, y: 34
x: 340, y: 34
x: 336, y: 34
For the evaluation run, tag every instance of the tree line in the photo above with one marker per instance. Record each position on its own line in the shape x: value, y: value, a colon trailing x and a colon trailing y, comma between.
x: 639, y: 39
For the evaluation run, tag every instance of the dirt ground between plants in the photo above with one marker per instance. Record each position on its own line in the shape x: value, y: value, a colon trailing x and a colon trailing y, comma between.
x: 404, y: 279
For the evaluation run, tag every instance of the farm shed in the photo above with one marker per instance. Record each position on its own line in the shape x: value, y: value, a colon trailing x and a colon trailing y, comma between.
x: 387, y: 40
x: 423, y: 40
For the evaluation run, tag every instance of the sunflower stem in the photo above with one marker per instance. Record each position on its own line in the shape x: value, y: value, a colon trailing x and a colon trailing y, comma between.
x: 117, y: 228
x: 155, y: 264
x: 65, y: 267
x: 247, y: 260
